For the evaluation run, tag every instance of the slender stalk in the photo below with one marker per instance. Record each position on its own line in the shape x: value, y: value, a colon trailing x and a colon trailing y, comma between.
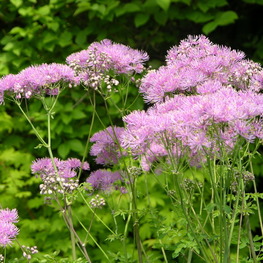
x: 89, y: 135
x: 72, y: 230
x: 72, y: 236
x: 250, y: 238
x: 87, y: 204
x: 190, y: 254
x: 239, y: 235
x: 94, y: 240
x: 31, y: 124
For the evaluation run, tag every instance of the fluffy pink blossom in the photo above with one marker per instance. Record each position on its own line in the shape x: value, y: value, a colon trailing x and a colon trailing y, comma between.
x: 106, y: 145
x: 65, y: 169
x: 8, y: 231
x: 188, y: 125
x: 108, y: 55
x: 103, y: 180
x: 199, y: 66
x: 37, y: 80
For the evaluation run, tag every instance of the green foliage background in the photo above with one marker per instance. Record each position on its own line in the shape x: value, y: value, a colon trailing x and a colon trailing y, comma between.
x: 42, y: 31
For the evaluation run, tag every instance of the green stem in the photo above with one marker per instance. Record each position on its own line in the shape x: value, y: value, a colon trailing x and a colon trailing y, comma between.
x: 31, y: 124
x: 85, y: 201
x: 93, y: 239
x: 190, y: 254
x: 72, y: 236
x: 89, y: 135
x: 250, y: 238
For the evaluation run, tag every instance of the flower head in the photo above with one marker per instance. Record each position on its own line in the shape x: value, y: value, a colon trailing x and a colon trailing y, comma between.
x: 107, y: 55
x: 58, y: 176
x: 107, y: 145
x: 197, y: 66
x: 100, y: 63
x: 8, y: 231
x: 37, y: 80
x: 103, y: 179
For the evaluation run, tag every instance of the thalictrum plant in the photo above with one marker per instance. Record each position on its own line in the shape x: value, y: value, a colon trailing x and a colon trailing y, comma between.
x: 194, y: 143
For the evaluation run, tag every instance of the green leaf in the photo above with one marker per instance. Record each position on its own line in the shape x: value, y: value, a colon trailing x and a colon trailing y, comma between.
x: 76, y: 145
x: 63, y: 150
x: 259, y: 2
x: 18, y: 31
x: 53, y: 25
x: 198, y: 16
x: 81, y: 37
x: 141, y: 19
x: 82, y: 7
x: 160, y: 18
x: 127, y: 8
x: 17, y: 3
x: 222, y: 19
x: 226, y: 18
x: 65, y: 39
x: 66, y: 118
x: 43, y: 10
x: 49, y: 37
x: 209, y: 27
x: 164, y: 4
x: 78, y: 115
x: 35, y: 202
x: 23, y: 194
x: 6, y: 122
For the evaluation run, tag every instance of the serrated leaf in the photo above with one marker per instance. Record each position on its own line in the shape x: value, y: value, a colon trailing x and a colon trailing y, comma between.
x: 164, y: 4
x: 141, y: 19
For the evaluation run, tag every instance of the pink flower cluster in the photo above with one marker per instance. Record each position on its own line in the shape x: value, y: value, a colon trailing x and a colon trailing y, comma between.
x: 198, y: 66
x: 65, y: 169
x: 205, y: 98
x: 103, y: 179
x: 107, y: 55
x: 37, y: 80
x: 106, y: 145
x: 8, y: 231
x: 98, y: 65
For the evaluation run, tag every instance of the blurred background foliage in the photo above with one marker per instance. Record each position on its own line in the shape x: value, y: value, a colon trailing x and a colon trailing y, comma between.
x: 44, y: 31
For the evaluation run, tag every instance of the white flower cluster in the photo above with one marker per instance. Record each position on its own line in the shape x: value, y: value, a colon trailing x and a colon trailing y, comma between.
x: 29, y: 251
x: 53, y: 183
x: 97, y: 202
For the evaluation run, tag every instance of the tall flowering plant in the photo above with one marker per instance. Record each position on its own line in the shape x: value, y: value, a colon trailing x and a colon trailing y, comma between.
x: 195, y: 144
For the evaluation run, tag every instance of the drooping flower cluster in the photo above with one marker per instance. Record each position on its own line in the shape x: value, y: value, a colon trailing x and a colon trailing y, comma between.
x: 106, y: 145
x: 58, y: 176
x: 198, y: 66
x: 104, y: 180
x: 37, y: 80
x: 94, y: 64
x: 8, y: 231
